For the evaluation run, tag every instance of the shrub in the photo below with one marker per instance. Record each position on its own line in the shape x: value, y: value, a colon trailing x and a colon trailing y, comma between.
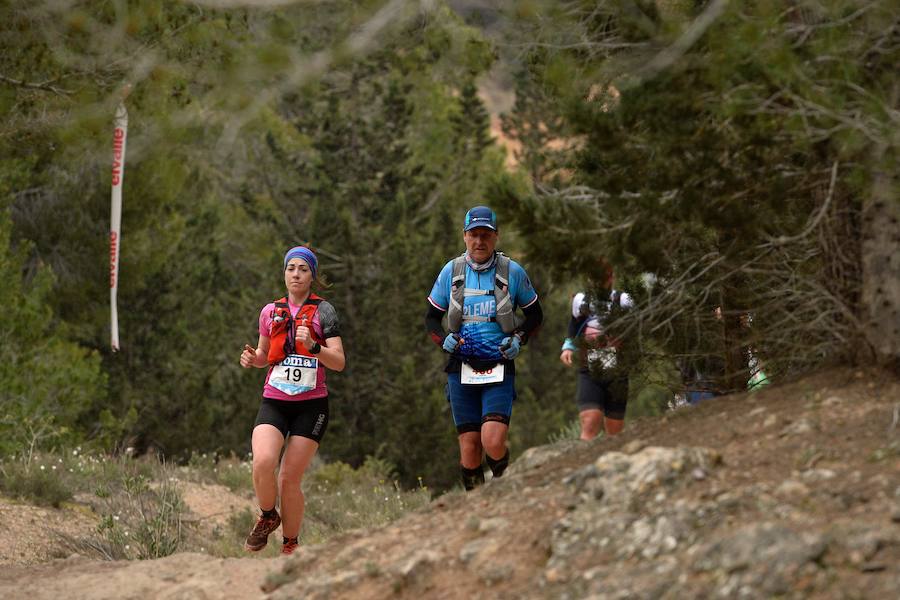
x: 570, y: 431
x: 35, y: 481
x: 140, y: 508
x: 340, y: 498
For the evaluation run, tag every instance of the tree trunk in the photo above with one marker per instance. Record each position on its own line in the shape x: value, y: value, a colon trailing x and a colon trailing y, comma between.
x: 881, y: 262
x: 880, y: 295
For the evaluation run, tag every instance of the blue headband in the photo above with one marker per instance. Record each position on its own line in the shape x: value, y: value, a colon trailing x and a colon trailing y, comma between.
x: 304, y: 253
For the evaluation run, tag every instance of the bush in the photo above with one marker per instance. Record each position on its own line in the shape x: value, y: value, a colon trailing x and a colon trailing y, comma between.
x: 340, y: 498
x: 570, y: 431
x: 140, y: 508
x: 35, y: 482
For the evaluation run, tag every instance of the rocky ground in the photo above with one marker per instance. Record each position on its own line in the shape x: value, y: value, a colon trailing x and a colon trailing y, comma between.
x: 793, y: 491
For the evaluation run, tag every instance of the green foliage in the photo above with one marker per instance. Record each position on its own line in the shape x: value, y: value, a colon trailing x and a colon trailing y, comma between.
x: 34, y: 482
x: 140, y: 521
x: 254, y: 129
x: 138, y: 503
x: 47, y: 382
x: 733, y: 175
x: 340, y: 498
x: 241, y: 145
x: 569, y: 431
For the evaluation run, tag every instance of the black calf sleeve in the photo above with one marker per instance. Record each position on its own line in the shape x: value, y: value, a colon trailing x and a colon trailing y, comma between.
x: 472, y: 478
x: 499, y: 465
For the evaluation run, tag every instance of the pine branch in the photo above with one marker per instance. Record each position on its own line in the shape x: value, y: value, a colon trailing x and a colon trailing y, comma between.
x: 667, y: 57
x: 45, y: 85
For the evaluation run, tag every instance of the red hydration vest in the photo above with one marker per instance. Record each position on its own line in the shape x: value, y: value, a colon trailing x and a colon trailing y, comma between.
x: 282, y: 337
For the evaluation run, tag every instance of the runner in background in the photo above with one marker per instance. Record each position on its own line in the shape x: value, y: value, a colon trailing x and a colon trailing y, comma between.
x: 602, y: 393
x: 299, y: 337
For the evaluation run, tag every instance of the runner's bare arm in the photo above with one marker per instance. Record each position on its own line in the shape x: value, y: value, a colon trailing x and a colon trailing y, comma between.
x: 332, y: 354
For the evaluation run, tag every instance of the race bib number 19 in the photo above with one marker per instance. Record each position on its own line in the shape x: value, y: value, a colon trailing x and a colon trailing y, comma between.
x: 470, y: 376
x: 295, y: 374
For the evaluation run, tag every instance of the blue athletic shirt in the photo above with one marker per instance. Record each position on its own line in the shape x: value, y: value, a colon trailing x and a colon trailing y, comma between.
x: 482, y: 338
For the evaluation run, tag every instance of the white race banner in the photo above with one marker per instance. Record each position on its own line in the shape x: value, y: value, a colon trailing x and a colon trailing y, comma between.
x: 120, y: 133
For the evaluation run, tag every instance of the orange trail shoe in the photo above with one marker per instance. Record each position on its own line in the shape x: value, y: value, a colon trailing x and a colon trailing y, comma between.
x: 288, y: 545
x: 259, y: 537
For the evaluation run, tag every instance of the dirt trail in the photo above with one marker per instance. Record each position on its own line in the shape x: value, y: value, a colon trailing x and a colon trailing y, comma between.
x: 793, y: 491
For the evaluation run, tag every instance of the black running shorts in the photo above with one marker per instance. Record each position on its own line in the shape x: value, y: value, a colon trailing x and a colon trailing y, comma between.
x: 608, y: 395
x: 306, y: 418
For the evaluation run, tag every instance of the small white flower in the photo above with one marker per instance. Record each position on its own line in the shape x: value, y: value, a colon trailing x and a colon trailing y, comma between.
x: 42, y: 467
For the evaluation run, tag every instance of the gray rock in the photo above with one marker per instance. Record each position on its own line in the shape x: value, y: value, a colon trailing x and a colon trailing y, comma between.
x: 801, y: 427
x: 634, y: 446
x: 480, y: 547
x: 417, y: 563
x: 539, y: 455
x: 764, y: 558
x: 620, y: 478
x: 832, y: 402
x: 493, y: 524
x: 858, y: 544
x: 494, y: 572
x: 818, y: 475
x: 791, y: 488
x: 321, y: 587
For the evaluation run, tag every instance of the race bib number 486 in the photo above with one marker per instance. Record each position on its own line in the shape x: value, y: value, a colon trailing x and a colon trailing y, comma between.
x: 295, y: 374
x: 470, y: 376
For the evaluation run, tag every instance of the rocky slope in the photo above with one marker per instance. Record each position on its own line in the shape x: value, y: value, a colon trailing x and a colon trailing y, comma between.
x: 793, y: 491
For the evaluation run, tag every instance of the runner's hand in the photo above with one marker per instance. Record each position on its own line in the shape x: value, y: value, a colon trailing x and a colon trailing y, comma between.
x: 510, y: 347
x: 248, y: 356
x: 451, y: 343
x: 304, y: 335
x: 566, y: 357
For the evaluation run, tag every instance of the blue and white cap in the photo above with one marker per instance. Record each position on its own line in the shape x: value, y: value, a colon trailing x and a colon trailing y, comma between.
x: 480, y: 216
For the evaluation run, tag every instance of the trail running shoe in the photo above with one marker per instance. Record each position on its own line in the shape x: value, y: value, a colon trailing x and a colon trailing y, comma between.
x: 259, y: 537
x: 288, y: 545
